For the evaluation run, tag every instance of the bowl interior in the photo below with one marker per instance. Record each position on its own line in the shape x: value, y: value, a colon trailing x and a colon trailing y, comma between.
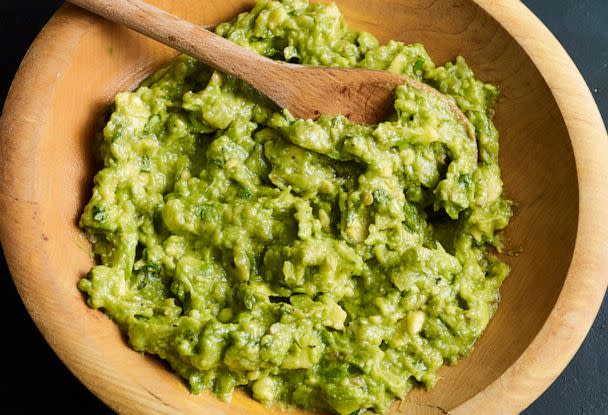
x: 536, y: 159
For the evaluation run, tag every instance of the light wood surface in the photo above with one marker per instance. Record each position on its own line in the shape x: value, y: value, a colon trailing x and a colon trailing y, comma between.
x: 362, y: 95
x: 554, y: 154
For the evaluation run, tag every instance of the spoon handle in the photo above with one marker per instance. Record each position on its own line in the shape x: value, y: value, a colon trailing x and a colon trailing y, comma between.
x: 180, y: 34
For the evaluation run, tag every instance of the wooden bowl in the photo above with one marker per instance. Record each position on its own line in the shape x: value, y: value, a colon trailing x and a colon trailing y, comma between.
x: 554, y: 157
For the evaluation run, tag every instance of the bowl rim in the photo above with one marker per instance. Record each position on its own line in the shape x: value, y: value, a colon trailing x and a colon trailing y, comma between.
x: 566, y: 325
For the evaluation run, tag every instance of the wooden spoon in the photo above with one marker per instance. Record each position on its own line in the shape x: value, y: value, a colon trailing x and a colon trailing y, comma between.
x: 362, y: 95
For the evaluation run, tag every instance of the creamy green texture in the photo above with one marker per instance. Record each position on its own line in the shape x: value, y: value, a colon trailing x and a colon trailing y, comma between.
x: 323, y: 264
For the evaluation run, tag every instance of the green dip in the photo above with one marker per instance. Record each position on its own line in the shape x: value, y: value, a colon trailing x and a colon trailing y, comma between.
x: 322, y: 264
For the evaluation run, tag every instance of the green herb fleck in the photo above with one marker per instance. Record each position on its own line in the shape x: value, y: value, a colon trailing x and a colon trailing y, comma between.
x: 244, y: 193
x: 146, y: 164
x: 208, y: 213
x: 145, y: 275
x: 381, y: 196
x: 99, y: 215
x: 418, y: 65
x: 153, y: 125
x: 465, y: 181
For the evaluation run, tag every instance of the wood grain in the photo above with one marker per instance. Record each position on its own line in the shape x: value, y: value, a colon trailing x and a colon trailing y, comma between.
x: 554, y: 150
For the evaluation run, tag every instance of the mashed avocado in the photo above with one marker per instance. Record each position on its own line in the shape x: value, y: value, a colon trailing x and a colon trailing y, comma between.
x: 321, y: 263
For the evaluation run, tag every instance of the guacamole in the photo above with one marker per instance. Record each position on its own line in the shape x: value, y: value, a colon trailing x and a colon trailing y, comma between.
x: 321, y: 264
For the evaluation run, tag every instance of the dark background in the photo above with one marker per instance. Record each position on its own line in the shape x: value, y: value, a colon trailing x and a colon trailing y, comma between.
x: 35, y: 380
